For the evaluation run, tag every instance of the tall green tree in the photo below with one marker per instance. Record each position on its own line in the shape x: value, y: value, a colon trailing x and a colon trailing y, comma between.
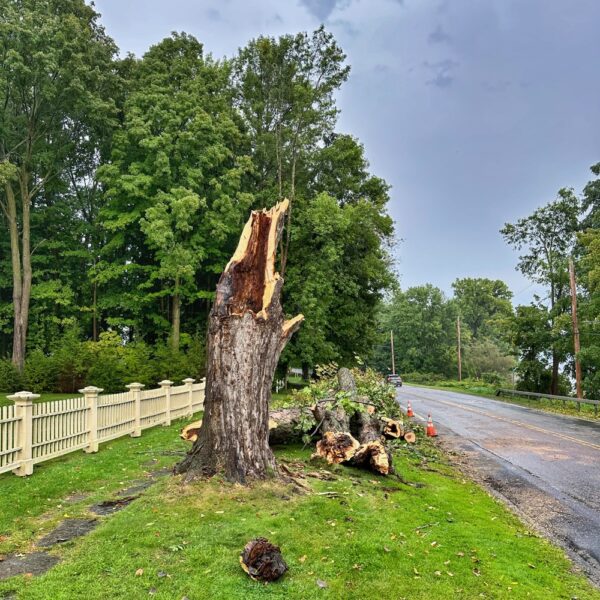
x: 424, y: 324
x: 339, y: 286
x: 547, y: 238
x: 285, y: 93
x: 482, y: 304
x: 588, y: 271
x: 174, y: 186
x: 55, y: 70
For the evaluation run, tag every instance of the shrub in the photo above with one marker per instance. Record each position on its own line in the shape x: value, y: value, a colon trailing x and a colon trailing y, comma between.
x: 10, y: 379
x: 39, y: 374
x: 492, y: 378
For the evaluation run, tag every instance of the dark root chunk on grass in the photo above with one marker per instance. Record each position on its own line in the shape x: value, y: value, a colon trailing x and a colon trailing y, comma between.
x: 262, y: 560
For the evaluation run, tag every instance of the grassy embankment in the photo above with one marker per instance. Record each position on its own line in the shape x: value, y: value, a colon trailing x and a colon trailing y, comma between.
x: 369, y: 537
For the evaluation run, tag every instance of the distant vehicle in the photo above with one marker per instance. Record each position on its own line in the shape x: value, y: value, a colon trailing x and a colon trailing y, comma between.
x: 393, y: 379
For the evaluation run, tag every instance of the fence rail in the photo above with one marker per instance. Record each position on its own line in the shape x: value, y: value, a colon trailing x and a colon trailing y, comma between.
x: 32, y: 433
x: 564, y: 399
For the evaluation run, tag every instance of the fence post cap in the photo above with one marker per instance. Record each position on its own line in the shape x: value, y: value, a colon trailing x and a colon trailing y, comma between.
x: 165, y: 383
x: 91, y: 389
x: 23, y: 397
x: 135, y: 386
x: 189, y: 380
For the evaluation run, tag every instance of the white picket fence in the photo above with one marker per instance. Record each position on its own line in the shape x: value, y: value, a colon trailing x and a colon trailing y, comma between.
x: 32, y: 433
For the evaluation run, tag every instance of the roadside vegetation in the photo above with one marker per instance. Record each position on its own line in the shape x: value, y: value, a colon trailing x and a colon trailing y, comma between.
x: 354, y: 533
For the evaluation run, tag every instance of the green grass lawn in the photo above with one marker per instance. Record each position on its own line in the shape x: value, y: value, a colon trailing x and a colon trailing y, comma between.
x: 373, y: 537
x: 489, y: 391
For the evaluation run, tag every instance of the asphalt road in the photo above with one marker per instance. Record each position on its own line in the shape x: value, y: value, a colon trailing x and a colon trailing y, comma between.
x: 546, y: 466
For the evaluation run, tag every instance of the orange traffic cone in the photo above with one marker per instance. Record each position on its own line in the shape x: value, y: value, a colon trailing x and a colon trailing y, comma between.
x: 409, y: 410
x: 431, y: 431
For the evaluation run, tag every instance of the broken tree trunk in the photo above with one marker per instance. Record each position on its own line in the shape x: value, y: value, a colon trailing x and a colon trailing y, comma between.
x: 246, y: 334
x: 346, y: 381
x: 335, y: 419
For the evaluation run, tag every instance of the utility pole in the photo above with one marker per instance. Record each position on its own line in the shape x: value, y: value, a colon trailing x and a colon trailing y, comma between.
x: 392, y: 345
x: 459, y: 349
x: 576, y: 345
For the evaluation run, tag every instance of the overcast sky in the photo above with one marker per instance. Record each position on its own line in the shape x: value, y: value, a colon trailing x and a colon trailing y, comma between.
x: 475, y: 111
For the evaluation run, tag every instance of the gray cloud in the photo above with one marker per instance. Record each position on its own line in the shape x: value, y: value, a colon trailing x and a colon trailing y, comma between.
x: 213, y: 14
x: 438, y: 36
x: 323, y: 8
x: 442, y: 70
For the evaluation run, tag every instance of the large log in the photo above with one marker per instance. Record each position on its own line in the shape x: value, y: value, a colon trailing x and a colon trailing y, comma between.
x: 288, y: 425
x: 346, y: 381
x: 336, y: 419
x: 366, y: 427
x: 246, y: 334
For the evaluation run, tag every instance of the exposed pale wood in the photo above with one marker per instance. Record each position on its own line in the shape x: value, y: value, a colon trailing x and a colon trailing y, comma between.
x: 409, y: 437
x: 336, y: 447
x: 190, y: 432
x: 373, y: 456
x: 392, y: 428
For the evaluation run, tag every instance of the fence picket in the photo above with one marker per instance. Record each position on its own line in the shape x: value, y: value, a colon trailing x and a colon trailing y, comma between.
x: 33, y: 433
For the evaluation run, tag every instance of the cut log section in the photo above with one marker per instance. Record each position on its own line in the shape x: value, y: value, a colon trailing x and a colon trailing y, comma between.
x: 262, y: 560
x: 336, y: 447
x: 409, y: 437
x: 347, y: 381
x: 392, y: 428
x: 373, y: 456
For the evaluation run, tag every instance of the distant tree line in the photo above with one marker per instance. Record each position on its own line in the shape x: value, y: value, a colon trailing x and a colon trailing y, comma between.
x: 532, y: 343
x: 125, y: 182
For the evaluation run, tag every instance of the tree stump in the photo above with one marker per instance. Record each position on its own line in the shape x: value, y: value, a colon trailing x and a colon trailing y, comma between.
x: 246, y: 334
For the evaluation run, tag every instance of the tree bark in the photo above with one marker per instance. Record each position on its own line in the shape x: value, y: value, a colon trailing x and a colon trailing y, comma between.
x: 176, y: 316
x: 288, y: 425
x: 26, y: 258
x: 246, y: 335
x: 18, y: 351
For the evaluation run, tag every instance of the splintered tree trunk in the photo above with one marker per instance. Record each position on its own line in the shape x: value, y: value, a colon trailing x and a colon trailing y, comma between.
x: 246, y: 335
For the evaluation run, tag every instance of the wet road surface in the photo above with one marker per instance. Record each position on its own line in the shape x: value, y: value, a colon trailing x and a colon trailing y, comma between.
x: 546, y: 465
